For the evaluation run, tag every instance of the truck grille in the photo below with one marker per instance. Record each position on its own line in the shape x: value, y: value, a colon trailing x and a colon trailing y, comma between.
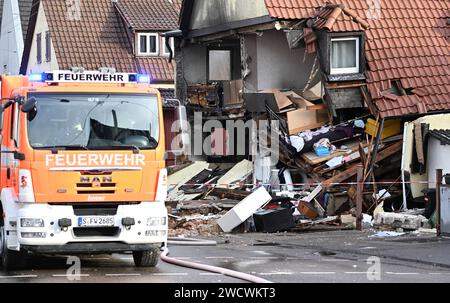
x: 95, y: 210
x: 96, y: 192
x: 81, y: 232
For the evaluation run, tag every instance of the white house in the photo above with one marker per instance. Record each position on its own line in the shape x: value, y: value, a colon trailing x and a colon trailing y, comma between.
x: 14, y: 25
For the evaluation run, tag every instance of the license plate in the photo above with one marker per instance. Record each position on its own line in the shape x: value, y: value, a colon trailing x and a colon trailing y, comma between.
x: 95, y: 221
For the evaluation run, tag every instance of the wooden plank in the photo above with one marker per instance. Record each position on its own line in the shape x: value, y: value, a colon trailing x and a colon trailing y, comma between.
x: 349, y: 85
x: 317, y: 107
x: 312, y: 159
x: 350, y: 172
x: 232, y: 194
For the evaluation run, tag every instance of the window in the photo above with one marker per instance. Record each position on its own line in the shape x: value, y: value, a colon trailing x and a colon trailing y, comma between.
x: 148, y: 44
x: 16, y: 130
x: 39, y: 48
x: 166, y: 51
x: 219, y: 65
x: 344, y: 55
x: 48, y: 47
x: 95, y: 121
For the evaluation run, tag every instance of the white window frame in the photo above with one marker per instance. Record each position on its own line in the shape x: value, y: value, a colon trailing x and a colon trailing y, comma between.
x: 148, y: 53
x: 163, y: 46
x: 346, y: 70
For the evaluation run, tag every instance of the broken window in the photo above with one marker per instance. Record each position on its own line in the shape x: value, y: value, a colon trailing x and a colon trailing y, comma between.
x: 148, y: 44
x: 220, y: 65
x: 344, y: 55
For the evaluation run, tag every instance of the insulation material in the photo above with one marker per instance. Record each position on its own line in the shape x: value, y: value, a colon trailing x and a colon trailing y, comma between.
x: 181, y: 177
x: 238, y: 173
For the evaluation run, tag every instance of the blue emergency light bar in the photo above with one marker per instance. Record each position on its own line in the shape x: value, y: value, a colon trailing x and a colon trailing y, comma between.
x: 36, y: 77
x: 89, y: 77
x: 143, y: 79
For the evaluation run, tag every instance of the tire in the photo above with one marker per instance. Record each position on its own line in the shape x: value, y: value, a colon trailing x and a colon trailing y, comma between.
x: 10, y: 260
x: 147, y: 258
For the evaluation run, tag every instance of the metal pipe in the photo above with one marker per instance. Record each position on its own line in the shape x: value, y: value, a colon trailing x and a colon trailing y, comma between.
x: 359, y: 197
x: 439, y: 173
x: 403, y: 168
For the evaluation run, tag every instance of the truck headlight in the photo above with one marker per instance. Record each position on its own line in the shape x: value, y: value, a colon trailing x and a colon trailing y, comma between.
x: 156, y: 221
x: 26, y: 222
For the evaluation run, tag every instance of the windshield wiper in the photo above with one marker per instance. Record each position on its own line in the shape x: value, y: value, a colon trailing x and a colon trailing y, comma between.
x: 57, y: 148
x: 135, y: 149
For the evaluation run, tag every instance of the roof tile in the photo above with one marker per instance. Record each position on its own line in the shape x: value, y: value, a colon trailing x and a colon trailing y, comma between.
x: 412, y: 34
x: 100, y: 38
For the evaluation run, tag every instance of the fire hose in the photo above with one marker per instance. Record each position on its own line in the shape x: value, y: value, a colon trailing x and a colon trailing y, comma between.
x: 194, y: 242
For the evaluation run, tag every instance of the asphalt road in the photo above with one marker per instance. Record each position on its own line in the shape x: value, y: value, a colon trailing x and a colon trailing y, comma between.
x: 281, y: 260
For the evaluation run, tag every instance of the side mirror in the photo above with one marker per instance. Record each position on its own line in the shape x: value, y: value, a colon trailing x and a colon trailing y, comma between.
x: 6, y: 105
x: 29, y: 105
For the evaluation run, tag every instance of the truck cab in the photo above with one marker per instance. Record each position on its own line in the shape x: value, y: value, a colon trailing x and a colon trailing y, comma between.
x: 82, y: 167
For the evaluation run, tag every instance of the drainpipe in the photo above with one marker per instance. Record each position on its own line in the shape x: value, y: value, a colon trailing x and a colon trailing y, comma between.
x: 405, y: 132
x: 168, y: 35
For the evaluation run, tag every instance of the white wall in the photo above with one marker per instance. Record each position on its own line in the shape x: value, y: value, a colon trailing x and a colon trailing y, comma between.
x: 419, y: 181
x: 11, y: 41
x: 41, y: 27
x: 437, y: 159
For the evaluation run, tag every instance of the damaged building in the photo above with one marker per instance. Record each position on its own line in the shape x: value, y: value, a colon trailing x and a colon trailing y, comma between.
x: 340, y: 77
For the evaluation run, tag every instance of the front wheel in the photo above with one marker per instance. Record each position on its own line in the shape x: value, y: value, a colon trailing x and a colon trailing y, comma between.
x: 147, y: 258
x: 11, y: 260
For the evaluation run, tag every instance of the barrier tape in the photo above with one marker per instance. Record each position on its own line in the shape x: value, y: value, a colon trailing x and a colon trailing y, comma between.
x: 299, y: 184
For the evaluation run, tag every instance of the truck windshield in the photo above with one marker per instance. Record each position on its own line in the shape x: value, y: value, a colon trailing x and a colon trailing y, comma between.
x: 94, y: 121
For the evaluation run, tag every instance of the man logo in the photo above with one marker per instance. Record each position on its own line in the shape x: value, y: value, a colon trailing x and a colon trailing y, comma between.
x: 96, y: 180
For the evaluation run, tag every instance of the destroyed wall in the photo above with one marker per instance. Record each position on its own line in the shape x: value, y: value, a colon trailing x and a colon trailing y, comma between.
x: 194, y: 57
x: 280, y: 67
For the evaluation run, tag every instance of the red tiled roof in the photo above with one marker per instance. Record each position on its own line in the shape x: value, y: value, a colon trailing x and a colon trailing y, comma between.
x: 98, y: 39
x: 408, y: 42
x: 337, y: 18
x: 160, y: 15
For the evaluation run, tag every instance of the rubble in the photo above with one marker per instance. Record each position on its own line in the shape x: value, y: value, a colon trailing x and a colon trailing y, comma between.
x: 311, y: 188
x: 400, y: 220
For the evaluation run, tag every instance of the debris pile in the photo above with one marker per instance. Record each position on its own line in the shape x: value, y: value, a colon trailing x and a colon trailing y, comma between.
x: 326, y: 177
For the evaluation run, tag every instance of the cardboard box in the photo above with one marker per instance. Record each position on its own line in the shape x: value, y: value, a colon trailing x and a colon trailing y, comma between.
x: 232, y: 91
x: 277, y: 100
x: 308, y: 116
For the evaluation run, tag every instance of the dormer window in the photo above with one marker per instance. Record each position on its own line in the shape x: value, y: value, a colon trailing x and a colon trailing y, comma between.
x: 345, y: 56
x: 147, y: 44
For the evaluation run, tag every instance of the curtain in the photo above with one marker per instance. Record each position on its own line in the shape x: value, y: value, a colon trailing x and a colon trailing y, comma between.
x: 343, y: 54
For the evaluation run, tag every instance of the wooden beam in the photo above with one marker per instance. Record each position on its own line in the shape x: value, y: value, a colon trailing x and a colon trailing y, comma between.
x: 344, y: 85
x: 350, y: 172
x: 232, y: 194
